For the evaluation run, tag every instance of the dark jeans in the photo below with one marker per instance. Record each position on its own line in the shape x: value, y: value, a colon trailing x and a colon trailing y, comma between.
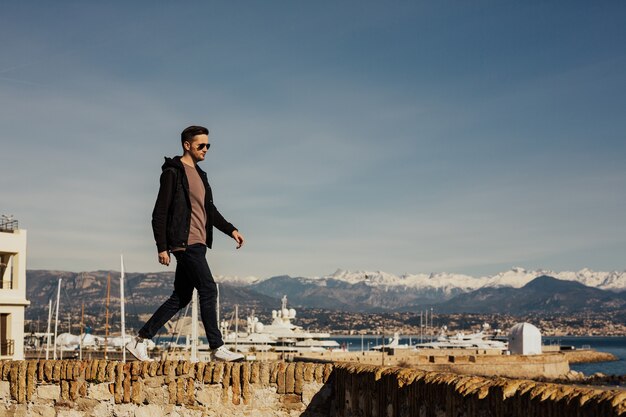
x: 192, y: 271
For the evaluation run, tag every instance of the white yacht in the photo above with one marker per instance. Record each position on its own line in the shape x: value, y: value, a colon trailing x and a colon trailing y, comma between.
x: 394, y: 343
x: 280, y: 336
x: 478, y: 340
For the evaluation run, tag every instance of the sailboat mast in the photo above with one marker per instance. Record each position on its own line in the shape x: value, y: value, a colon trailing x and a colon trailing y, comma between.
x: 80, y: 335
x: 122, y: 307
x: 48, y: 329
x: 56, y: 320
x: 217, y: 286
x: 236, y: 325
x: 106, y: 322
x: 194, y: 326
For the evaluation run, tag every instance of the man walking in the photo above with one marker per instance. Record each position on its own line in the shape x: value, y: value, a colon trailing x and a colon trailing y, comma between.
x: 182, y: 221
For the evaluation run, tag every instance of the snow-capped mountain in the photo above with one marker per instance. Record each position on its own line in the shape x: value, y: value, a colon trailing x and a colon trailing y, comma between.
x: 237, y: 281
x: 343, y: 285
x: 515, y: 277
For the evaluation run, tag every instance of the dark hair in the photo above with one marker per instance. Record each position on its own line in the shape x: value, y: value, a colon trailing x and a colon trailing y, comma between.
x: 191, y: 131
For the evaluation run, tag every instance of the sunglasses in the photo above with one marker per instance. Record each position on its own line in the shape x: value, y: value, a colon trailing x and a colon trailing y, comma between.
x: 203, y: 145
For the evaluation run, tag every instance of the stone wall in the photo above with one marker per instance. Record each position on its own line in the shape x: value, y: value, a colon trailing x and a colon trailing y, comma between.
x: 70, y: 388
x: 169, y: 388
x: 363, y: 390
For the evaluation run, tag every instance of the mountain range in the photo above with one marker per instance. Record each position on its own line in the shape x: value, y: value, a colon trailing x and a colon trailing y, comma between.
x: 517, y: 291
x: 449, y: 284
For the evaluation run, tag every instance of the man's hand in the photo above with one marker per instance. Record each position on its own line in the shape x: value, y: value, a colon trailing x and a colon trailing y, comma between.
x: 164, y: 258
x: 238, y: 238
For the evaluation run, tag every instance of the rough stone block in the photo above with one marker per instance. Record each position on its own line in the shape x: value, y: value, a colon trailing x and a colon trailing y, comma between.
x: 236, y: 381
x: 99, y: 392
x: 218, y: 373
x: 254, y: 372
x: 62, y: 369
x: 209, y: 395
x: 47, y: 369
x: 245, y: 382
x: 265, y: 398
x: 226, y: 378
x: 145, y: 369
x: 42, y: 411
x: 274, y: 369
x: 119, y: 382
x: 328, y: 368
x: 135, y: 368
x: 171, y: 389
x: 153, y: 368
x: 318, y: 372
x: 264, y: 374
x: 169, y: 370
x: 309, y: 368
x: 126, y: 385
x: 91, y: 369
x: 190, y: 392
x: 100, y: 374
x: 48, y: 392
x: 158, y: 396
x: 290, y: 378
x: 180, y: 391
x: 65, y: 390
x: 86, y: 405
x: 75, y: 389
x: 299, y: 378
x: 291, y: 402
x: 280, y: 378
x: 208, y: 373
x: 136, y: 394
x: 150, y: 410
x: 110, y: 371
x: 199, y: 371
x: 5, y: 390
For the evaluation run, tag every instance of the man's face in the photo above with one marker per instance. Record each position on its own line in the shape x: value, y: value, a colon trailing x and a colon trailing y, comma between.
x: 198, y: 147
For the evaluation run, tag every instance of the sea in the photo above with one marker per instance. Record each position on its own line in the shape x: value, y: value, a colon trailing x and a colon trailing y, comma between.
x: 615, y: 345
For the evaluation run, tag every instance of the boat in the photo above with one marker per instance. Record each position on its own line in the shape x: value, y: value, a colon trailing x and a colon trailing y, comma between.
x: 477, y: 340
x: 393, y: 344
x: 282, y: 335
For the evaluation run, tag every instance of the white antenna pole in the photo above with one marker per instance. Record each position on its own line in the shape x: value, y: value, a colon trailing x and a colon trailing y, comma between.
x: 122, y: 307
x: 48, y: 329
x: 56, y: 320
x: 194, y: 326
x: 218, y: 303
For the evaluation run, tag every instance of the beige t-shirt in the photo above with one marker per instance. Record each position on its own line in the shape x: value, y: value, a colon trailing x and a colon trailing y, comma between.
x: 197, y: 230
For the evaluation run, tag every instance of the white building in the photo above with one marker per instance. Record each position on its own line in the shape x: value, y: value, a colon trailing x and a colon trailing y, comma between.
x: 12, y: 289
x: 525, y: 339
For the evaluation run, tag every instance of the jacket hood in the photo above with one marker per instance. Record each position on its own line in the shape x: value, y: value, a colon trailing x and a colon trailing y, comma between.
x: 172, y: 163
x: 175, y: 162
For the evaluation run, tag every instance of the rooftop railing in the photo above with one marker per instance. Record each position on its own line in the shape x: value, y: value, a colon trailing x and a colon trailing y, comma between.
x: 8, y: 224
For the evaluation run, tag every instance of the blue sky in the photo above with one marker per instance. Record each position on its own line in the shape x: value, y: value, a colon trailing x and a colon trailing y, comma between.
x: 406, y: 137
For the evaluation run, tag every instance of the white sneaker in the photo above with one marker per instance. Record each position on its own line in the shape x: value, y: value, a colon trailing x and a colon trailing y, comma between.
x: 225, y: 355
x: 138, y: 349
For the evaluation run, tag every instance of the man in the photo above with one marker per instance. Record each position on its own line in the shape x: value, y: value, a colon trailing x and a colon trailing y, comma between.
x: 182, y: 221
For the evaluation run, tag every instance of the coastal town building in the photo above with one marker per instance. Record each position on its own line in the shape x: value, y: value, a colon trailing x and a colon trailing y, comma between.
x: 12, y: 289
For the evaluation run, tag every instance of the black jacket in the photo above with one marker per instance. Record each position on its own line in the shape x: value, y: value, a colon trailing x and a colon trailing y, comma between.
x: 171, y: 217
